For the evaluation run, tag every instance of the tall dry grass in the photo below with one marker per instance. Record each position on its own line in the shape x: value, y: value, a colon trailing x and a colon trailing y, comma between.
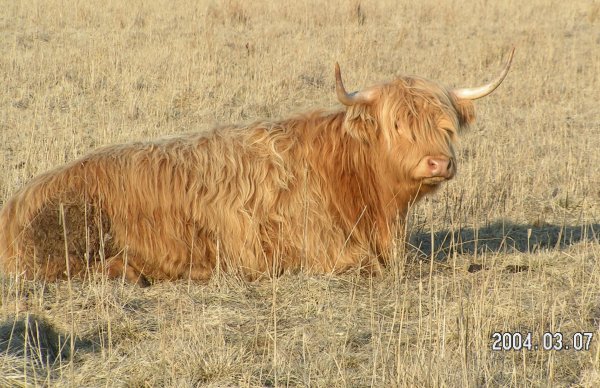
x: 514, y: 238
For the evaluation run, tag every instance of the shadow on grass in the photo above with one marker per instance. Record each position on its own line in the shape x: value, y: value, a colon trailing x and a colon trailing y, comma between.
x: 37, y: 339
x: 502, y: 237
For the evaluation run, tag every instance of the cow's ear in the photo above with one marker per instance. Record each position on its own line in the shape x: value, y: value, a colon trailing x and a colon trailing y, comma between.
x: 360, y: 123
x: 466, y: 112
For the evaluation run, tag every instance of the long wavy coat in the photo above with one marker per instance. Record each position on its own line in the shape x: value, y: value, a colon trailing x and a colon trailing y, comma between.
x: 320, y: 192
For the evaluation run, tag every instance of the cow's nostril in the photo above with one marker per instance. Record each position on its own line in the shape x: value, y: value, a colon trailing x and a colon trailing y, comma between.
x: 450, y: 165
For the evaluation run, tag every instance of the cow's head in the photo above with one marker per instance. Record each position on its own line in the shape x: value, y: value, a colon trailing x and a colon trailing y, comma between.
x: 415, y: 122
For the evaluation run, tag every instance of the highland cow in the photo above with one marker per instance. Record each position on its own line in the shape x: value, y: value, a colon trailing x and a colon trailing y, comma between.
x: 320, y: 192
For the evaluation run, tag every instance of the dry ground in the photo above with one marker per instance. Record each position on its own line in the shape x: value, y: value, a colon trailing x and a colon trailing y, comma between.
x: 514, y: 237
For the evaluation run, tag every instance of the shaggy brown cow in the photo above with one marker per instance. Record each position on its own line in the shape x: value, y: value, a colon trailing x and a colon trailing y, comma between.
x: 320, y: 192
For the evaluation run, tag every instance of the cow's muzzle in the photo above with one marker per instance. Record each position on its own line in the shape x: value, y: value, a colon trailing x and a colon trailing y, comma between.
x: 433, y: 170
x: 441, y: 167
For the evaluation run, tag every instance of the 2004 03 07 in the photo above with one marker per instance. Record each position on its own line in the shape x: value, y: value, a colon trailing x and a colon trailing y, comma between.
x: 506, y: 341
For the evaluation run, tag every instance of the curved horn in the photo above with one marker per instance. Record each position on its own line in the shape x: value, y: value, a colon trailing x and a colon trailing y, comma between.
x: 345, y: 98
x: 482, y: 91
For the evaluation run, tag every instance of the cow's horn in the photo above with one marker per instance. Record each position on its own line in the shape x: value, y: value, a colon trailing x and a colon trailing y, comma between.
x: 482, y: 91
x: 345, y: 98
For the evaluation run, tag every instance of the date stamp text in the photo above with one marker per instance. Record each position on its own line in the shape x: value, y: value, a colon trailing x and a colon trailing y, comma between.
x: 507, y: 341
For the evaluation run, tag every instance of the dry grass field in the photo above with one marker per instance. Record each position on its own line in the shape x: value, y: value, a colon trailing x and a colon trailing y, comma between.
x: 510, y: 245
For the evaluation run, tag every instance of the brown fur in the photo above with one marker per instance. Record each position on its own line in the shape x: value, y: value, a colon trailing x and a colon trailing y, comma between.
x: 320, y: 192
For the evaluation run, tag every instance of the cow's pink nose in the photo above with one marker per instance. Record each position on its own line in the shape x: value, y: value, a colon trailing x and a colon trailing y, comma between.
x: 442, y: 167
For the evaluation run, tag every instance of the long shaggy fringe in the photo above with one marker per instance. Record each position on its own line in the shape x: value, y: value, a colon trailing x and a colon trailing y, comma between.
x: 320, y: 192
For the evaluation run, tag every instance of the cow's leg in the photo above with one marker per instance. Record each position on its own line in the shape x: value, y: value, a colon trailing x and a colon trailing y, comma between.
x: 117, y: 268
